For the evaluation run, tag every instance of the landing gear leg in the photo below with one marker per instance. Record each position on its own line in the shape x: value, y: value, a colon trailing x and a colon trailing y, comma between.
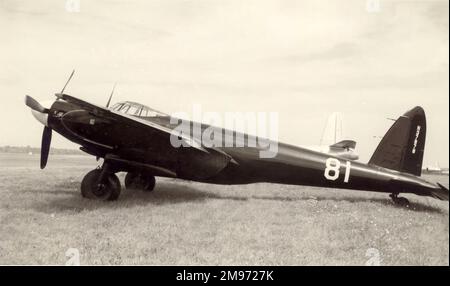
x: 399, y: 200
x: 101, y: 184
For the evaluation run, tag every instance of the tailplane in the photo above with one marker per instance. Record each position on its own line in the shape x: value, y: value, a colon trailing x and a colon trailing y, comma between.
x: 402, y: 147
x: 441, y: 193
x: 344, y: 144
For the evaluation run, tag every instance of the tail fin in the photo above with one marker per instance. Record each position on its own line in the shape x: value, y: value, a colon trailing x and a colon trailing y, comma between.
x: 332, y: 132
x: 402, y: 147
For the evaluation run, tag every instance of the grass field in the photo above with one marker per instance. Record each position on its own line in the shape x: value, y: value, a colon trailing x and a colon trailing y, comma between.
x: 42, y: 215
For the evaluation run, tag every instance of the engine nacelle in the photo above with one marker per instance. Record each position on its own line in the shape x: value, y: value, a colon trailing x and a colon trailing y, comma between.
x: 197, y: 164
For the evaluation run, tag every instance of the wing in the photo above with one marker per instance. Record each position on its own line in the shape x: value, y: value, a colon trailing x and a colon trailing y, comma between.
x: 130, y: 165
x: 190, y: 164
x: 110, y: 114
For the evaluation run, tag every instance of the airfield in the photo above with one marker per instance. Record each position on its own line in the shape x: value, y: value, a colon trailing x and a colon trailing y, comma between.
x: 42, y: 215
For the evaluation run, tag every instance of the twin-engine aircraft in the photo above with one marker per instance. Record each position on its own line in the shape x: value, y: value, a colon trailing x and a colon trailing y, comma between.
x: 134, y: 138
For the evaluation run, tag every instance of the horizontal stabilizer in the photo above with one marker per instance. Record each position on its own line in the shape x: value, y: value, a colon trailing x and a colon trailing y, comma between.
x: 344, y: 144
x: 441, y: 193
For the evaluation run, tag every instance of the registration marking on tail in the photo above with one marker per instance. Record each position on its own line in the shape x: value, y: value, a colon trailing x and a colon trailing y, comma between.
x: 416, y: 139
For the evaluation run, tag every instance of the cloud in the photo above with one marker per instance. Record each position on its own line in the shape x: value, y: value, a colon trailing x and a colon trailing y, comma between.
x: 337, y: 52
x: 304, y: 58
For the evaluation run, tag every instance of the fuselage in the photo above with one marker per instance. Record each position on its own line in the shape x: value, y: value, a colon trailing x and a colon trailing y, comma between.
x: 225, y: 165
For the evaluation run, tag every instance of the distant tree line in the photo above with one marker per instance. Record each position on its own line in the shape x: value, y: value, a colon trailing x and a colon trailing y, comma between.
x: 33, y: 150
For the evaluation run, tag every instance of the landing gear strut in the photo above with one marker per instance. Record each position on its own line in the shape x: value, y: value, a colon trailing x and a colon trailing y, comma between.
x: 101, y: 184
x: 140, y: 181
x: 399, y: 200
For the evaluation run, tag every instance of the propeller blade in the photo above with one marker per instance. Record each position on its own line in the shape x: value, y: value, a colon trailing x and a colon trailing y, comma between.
x: 33, y: 104
x: 70, y: 77
x: 45, y: 147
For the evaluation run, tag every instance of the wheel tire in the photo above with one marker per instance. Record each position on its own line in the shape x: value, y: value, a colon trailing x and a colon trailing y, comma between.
x: 402, y: 202
x: 150, y: 185
x: 109, y: 191
x: 140, y: 181
x: 130, y: 181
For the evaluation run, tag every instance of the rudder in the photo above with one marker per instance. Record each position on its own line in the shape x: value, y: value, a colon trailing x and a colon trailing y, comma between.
x: 402, y: 147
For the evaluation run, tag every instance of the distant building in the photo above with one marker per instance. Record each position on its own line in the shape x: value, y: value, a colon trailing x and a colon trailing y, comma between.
x: 435, y: 169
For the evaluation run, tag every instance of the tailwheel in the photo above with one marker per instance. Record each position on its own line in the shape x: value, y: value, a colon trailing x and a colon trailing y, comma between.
x: 100, y: 185
x: 404, y: 202
x: 140, y: 182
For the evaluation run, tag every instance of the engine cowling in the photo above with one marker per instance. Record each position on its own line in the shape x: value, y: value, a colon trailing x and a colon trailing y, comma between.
x: 197, y: 164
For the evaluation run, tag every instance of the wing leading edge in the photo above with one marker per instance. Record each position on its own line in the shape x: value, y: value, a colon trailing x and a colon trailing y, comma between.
x: 114, y: 115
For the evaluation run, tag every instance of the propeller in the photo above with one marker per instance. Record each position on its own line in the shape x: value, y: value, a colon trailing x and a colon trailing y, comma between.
x: 33, y: 104
x: 45, y: 145
x: 47, y: 133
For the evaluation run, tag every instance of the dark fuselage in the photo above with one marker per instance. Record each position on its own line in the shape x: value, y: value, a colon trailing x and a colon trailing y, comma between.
x: 223, y: 165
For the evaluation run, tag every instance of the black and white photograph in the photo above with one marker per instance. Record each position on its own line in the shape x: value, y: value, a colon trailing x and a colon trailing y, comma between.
x: 226, y: 133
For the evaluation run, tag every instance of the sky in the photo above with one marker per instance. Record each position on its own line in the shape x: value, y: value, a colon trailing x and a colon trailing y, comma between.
x: 302, y: 59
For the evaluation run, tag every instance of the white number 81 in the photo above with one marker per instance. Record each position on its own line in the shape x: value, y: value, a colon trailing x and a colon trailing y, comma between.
x: 332, y: 170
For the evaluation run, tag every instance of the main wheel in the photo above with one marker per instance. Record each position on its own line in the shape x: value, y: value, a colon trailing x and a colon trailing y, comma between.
x: 108, y: 190
x: 140, y: 182
x: 404, y: 202
x: 400, y: 201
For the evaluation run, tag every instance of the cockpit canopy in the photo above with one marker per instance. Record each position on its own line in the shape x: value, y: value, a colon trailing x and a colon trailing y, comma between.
x: 136, y: 109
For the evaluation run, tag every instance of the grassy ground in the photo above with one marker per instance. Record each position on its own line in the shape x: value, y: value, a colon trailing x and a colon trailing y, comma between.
x: 42, y: 215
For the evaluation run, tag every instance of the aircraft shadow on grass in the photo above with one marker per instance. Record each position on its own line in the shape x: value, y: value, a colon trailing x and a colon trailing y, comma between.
x: 171, y: 193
